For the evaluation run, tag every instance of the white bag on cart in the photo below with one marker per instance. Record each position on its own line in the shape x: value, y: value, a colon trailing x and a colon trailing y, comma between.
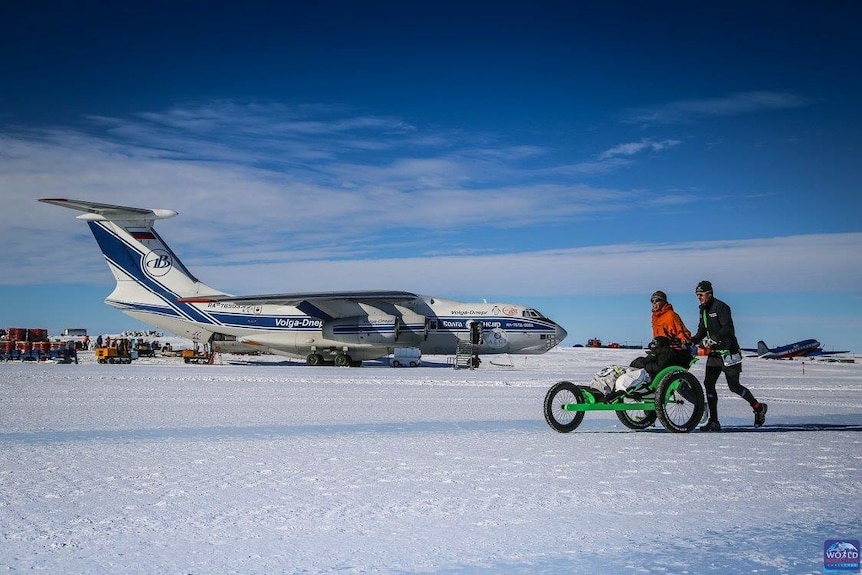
x: 631, y: 379
x: 605, y: 380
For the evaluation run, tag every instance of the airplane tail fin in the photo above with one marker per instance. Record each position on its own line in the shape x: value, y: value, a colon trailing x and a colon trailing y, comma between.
x: 762, y: 348
x: 150, y: 277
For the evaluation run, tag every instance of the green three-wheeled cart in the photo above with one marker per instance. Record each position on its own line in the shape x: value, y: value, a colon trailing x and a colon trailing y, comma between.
x: 674, y: 396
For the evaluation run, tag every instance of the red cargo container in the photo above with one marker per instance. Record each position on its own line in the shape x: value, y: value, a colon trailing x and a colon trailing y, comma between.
x: 16, y: 334
x: 37, y: 334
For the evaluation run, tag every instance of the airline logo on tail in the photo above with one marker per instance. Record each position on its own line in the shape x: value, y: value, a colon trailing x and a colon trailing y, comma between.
x: 157, y: 263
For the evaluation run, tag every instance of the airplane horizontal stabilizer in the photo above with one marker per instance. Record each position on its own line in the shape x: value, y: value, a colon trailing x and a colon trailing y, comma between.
x: 110, y: 211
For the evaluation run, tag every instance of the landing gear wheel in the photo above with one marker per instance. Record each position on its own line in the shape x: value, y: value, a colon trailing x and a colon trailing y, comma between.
x: 342, y: 360
x: 679, y: 401
x: 561, y: 394
x: 314, y: 359
x: 637, y: 419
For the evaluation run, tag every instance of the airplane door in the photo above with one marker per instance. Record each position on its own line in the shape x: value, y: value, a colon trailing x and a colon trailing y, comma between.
x: 475, y: 328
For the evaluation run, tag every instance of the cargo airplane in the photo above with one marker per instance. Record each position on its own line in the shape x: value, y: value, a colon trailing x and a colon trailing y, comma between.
x: 343, y: 328
x: 803, y: 348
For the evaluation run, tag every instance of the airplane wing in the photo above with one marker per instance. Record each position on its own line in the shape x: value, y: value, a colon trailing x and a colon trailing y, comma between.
x: 321, y: 305
x: 297, y: 298
x: 819, y: 352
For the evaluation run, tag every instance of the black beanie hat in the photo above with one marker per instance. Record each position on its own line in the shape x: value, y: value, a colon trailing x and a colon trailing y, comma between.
x: 703, y: 287
x: 659, y: 295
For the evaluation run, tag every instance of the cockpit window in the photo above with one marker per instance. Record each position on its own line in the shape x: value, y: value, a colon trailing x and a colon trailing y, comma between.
x: 532, y: 314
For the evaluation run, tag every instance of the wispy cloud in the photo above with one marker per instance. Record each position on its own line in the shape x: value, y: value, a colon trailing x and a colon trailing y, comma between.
x: 683, y: 111
x: 306, y: 177
x: 634, y: 148
x: 744, y: 266
x: 328, y: 200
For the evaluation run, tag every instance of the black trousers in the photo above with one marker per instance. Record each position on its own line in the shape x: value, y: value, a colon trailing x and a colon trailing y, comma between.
x: 731, y: 374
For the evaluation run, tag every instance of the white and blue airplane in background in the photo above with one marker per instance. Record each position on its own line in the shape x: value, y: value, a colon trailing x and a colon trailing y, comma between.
x: 343, y: 328
x: 802, y: 348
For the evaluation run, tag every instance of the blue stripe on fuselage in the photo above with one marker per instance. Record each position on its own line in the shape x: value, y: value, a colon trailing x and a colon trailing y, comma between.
x: 269, y: 322
x: 458, y: 324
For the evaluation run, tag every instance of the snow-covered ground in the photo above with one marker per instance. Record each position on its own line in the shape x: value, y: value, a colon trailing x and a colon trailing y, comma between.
x: 272, y: 466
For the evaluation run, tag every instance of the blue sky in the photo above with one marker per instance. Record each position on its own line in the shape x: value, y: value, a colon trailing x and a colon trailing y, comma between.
x: 568, y: 156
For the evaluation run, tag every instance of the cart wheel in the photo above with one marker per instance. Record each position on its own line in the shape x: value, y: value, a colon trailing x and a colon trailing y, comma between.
x: 561, y: 394
x: 679, y: 401
x: 636, y: 419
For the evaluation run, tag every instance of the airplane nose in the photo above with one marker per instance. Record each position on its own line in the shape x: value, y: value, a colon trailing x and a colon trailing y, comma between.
x: 561, y: 333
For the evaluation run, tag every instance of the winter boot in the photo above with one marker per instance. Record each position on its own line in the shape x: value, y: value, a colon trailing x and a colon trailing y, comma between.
x: 760, y: 415
x: 711, y: 426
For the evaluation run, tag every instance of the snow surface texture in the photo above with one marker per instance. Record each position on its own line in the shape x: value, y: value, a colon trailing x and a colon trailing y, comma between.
x: 272, y: 466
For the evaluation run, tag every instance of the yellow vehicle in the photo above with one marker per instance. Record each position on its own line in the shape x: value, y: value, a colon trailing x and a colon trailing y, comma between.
x: 112, y: 355
x: 193, y: 356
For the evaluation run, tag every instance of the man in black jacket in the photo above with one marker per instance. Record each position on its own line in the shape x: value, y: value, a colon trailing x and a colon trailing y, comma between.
x: 715, y: 327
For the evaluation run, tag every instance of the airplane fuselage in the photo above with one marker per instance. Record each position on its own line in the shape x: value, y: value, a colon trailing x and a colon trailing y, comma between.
x: 799, y: 348
x: 438, y: 326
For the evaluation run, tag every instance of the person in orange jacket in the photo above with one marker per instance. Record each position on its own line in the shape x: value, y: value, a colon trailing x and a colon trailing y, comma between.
x: 666, y: 322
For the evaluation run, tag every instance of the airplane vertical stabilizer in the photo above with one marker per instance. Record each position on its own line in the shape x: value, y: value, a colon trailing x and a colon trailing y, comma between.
x: 150, y: 278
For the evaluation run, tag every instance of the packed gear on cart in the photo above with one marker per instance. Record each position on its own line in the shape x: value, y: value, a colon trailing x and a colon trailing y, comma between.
x: 616, y: 380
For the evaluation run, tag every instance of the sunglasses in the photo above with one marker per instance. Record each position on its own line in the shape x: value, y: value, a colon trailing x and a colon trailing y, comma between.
x: 656, y: 300
x: 702, y: 293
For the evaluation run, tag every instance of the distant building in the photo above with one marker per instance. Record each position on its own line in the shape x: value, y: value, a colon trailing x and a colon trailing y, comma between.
x: 74, y: 332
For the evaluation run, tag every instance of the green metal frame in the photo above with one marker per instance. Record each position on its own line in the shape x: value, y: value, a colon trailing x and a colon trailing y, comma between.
x: 645, y: 404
